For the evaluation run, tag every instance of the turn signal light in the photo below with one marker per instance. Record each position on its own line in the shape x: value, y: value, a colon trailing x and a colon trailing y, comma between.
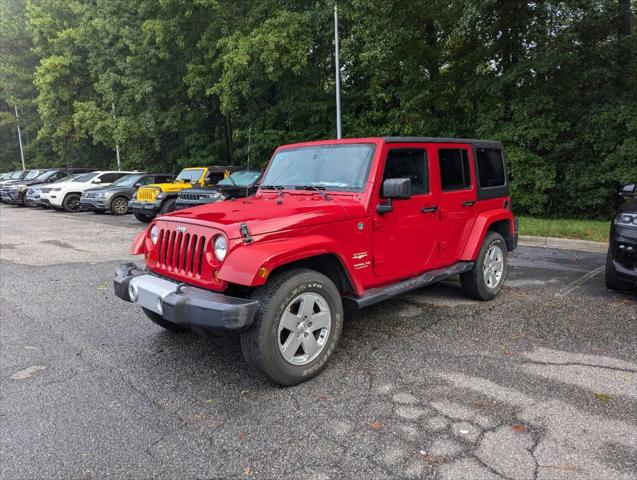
x: 263, y: 272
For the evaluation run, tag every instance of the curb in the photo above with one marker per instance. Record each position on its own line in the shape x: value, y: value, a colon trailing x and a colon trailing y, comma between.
x: 563, y: 244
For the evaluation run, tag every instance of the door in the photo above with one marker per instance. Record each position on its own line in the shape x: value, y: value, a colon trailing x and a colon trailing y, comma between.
x: 405, y: 238
x: 457, y: 200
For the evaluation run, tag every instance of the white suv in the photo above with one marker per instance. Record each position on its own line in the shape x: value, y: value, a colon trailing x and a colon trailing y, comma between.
x: 66, y: 195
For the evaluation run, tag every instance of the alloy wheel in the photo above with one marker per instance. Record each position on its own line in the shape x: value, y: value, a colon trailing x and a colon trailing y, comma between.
x: 493, y: 266
x: 304, y: 328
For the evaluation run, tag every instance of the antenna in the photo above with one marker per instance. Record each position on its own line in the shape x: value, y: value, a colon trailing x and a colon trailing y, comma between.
x: 249, y: 144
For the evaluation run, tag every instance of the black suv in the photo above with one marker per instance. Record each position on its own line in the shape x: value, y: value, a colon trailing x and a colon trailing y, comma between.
x: 15, y: 192
x: 239, y: 184
x: 621, y: 261
x: 115, y: 197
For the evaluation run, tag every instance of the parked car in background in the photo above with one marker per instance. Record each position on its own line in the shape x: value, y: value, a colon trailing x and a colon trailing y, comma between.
x: 15, y: 193
x: 621, y: 260
x: 32, y: 196
x: 239, y: 184
x: 354, y: 221
x: 66, y: 195
x: 19, y: 176
x: 115, y: 197
x: 154, y: 199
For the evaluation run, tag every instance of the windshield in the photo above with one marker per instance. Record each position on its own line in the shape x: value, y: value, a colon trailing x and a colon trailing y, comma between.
x: 15, y: 175
x: 190, y: 176
x: 47, y: 175
x: 33, y: 174
x: 68, y: 178
x: 241, y: 179
x: 126, y: 181
x: 86, y: 177
x: 332, y: 167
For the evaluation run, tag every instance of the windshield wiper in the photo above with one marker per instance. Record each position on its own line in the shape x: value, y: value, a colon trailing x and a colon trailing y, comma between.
x: 315, y: 188
x: 278, y: 188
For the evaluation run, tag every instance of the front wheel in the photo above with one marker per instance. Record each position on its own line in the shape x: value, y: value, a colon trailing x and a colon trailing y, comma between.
x: 143, y: 217
x: 71, y: 203
x: 612, y: 281
x: 119, y: 206
x: 168, y: 206
x: 486, y: 279
x: 297, y: 326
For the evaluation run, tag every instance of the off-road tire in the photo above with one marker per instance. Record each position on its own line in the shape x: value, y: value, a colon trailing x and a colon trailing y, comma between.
x: 260, y: 344
x: 473, y: 282
x: 69, y: 201
x: 115, y: 202
x: 159, y: 320
x: 143, y: 217
x: 613, y: 282
x: 168, y: 206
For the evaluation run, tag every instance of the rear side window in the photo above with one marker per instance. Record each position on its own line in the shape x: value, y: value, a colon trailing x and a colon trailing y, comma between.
x: 408, y: 163
x: 111, y: 177
x: 490, y: 167
x: 455, y: 173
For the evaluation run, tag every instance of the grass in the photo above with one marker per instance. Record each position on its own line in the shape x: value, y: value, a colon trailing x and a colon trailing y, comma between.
x: 596, y: 230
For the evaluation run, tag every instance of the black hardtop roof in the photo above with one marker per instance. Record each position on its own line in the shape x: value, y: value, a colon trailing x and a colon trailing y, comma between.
x: 472, y: 141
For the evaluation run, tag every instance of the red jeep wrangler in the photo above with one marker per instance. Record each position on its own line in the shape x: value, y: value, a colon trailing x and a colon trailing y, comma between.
x: 334, y: 222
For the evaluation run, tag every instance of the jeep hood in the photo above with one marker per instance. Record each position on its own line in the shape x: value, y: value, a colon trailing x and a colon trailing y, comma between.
x: 170, y: 187
x: 266, y: 214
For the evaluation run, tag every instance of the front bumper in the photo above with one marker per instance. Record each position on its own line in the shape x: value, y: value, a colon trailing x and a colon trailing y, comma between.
x: 92, y: 204
x: 189, y: 307
x: 151, y: 208
x: 32, y: 201
x: 623, y: 250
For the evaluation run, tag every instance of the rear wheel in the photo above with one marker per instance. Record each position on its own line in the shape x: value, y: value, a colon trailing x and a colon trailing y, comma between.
x: 71, y: 203
x: 613, y: 282
x: 119, y: 206
x: 142, y: 217
x: 159, y: 320
x: 297, y: 326
x: 486, y: 279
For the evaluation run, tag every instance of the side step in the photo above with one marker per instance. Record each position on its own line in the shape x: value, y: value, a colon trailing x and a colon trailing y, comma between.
x: 375, y: 295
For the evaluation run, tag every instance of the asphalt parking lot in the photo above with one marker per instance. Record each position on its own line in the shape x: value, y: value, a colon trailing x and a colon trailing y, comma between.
x: 540, y: 383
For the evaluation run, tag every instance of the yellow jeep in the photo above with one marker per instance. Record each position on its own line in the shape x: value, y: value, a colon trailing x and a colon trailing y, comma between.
x: 159, y: 198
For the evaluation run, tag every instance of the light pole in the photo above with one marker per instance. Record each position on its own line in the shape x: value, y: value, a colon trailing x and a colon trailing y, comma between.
x: 17, y: 121
x: 338, y: 75
x: 119, y: 167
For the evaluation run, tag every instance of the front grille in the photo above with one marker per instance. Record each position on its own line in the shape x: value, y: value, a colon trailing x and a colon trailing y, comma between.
x: 147, y: 194
x: 181, y: 253
x: 189, y: 196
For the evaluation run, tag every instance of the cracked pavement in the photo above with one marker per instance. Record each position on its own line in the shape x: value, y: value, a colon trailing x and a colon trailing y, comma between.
x: 536, y: 384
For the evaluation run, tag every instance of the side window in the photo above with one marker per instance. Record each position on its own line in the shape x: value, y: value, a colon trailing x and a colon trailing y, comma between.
x: 146, y: 181
x: 409, y: 163
x: 490, y: 167
x: 111, y: 177
x: 455, y: 173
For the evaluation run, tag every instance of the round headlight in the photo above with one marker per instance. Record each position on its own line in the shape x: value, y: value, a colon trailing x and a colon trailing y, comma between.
x: 154, y: 234
x: 221, y: 247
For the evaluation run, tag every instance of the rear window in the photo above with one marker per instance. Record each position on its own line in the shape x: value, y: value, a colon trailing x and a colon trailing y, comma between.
x: 455, y: 173
x: 490, y: 167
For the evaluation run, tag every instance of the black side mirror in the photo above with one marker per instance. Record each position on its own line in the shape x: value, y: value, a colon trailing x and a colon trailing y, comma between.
x: 137, y: 185
x: 628, y: 191
x: 394, y: 188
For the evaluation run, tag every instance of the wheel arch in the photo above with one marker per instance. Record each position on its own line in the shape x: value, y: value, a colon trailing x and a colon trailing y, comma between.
x: 253, y: 265
x: 499, y: 221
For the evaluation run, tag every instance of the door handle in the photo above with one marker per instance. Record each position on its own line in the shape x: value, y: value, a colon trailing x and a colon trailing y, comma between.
x: 470, y: 203
x: 431, y: 209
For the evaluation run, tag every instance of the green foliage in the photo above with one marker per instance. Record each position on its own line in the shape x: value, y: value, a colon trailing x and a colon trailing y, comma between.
x: 213, y: 81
